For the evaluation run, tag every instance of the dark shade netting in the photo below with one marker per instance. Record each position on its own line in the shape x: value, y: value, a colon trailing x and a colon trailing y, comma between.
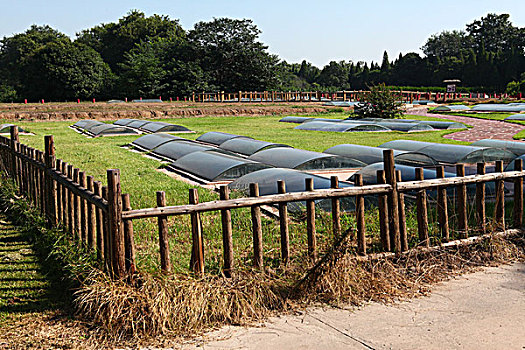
x: 511, y: 165
x: 216, y: 138
x: 216, y: 166
x: 175, y: 150
x: 246, y: 146
x: 85, y: 123
x: 151, y: 141
x: 518, y: 148
x: 299, y: 159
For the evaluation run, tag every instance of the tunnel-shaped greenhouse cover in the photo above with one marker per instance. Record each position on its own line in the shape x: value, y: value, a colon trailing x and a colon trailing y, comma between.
x: 300, y: 159
x: 124, y: 122
x: 436, y: 124
x: 518, y: 148
x: 369, y: 155
x: 451, y: 108
x: 151, y: 141
x: 216, y: 137
x: 216, y: 166
x: 339, y: 127
x: 163, y: 127
x: 6, y: 128
x: 408, y: 173
x: 109, y: 129
x: 405, y: 127
x: 175, y: 150
x: 294, y: 119
x: 137, y: 124
x: 248, y: 147
x: 520, y: 116
x: 85, y: 123
x: 511, y: 107
x: 452, y: 154
x: 511, y: 166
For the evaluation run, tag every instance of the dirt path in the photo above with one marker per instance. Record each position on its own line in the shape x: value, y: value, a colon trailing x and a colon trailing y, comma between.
x: 481, y: 128
x: 482, y: 310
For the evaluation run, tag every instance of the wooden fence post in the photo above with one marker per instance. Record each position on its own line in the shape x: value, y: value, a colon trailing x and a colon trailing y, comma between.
x: 442, y: 206
x: 99, y: 218
x: 518, y: 196
x: 422, y: 218
x: 402, y: 217
x: 227, y: 240
x: 462, y: 203
x: 197, y: 263
x: 256, y: 229
x: 76, y: 206
x: 283, y: 225
x: 65, y: 201
x: 115, y: 223
x: 500, y: 199
x: 108, y: 251
x: 393, y: 205
x: 310, y: 222
x: 14, y: 148
x: 129, y: 239
x: 383, y: 214
x: 164, y: 248
x: 91, y: 216
x: 71, y: 203
x: 480, y: 200
x: 360, y: 217
x: 51, y: 190
x: 82, y: 181
x: 58, y: 167
x: 336, y: 209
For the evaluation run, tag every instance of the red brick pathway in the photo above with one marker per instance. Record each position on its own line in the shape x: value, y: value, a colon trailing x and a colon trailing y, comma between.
x: 481, y: 128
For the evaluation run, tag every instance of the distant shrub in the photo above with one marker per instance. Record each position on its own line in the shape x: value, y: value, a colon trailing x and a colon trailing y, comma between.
x: 381, y: 102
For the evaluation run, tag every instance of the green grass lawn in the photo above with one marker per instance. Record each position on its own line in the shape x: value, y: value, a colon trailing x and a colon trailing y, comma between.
x: 141, y: 179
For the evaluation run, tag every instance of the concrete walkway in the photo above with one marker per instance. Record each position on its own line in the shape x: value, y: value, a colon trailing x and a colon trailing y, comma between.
x: 481, y: 128
x: 482, y: 310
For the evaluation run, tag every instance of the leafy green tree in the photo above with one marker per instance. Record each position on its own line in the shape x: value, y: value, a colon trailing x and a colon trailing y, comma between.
x: 496, y: 33
x: 380, y: 102
x: 335, y: 75
x: 447, y: 44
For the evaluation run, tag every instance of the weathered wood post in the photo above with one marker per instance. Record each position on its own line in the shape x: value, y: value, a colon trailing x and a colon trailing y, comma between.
x: 82, y: 181
x: 283, y: 224
x: 58, y: 167
x: 383, y: 214
x: 115, y: 223
x: 393, y: 205
x: 462, y: 203
x: 480, y: 200
x: 108, y: 251
x: 65, y: 198
x: 227, y: 240
x: 256, y: 229
x: 402, y: 217
x: 442, y: 206
x: 197, y: 263
x: 76, y: 206
x: 500, y: 199
x: 336, y: 209
x: 91, y: 221
x: 14, y: 148
x: 99, y: 218
x: 518, y: 196
x: 360, y: 217
x: 164, y: 249
x: 51, y: 190
x: 129, y: 239
x: 310, y: 222
x: 422, y: 218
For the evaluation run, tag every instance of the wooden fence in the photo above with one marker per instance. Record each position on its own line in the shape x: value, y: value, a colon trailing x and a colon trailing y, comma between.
x: 100, y: 217
x: 316, y: 96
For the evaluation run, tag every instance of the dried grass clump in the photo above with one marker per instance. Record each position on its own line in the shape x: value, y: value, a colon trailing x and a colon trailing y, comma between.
x: 179, y: 305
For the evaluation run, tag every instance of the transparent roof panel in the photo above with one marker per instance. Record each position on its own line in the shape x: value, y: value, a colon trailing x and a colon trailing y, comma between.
x: 150, y: 141
x: 216, y: 138
x: 369, y: 155
x: 124, y: 122
x: 136, y: 124
x: 408, y: 173
x: 453, y: 154
x: 406, y: 127
x: 518, y: 148
x: 175, y: 150
x: 303, y: 160
x: 248, y: 147
x: 110, y: 129
x: 215, y: 166
x: 511, y: 108
x: 163, y: 127
x: 339, y: 126
x: 293, y: 119
x: 451, y: 108
x: 405, y: 145
x: 84, y: 123
x: 520, y: 116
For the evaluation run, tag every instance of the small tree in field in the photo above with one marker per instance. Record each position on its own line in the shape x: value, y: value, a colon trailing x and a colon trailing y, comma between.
x: 381, y: 102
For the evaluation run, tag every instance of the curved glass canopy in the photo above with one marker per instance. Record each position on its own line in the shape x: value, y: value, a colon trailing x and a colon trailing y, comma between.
x: 163, y: 127
x: 124, y: 122
x: 518, y: 148
x: 369, y: 155
x: 248, y: 147
x: 175, y: 150
x: 300, y: 159
x: 294, y: 119
x: 216, y: 137
x: 408, y: 173
x: 216, y: 166
x: 150, y: 141
x: 339, y: 126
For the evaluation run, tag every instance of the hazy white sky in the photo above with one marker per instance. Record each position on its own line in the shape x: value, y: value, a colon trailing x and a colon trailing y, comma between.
x: 318, y: 31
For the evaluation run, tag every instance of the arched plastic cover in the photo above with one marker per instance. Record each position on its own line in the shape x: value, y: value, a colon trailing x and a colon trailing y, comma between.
x: 137, y: 124
x: 339, y: 126
x: 85, y: 123
x: 436, y: 124
x: 6, y: 128
x: 124, y: 122
x: 406, y: 127
x: 451, y: 108
x: 163, y: 127
x: 370, y: 155
x: 248, y: 147
x: 215, y: 166
x: 216, y: 138
x: 110, y: 129
x: 518, y: 148
x: 511, y: 107
x: 175, y: 150
x: 293, y: 119
x: 442, y: 125
x: 511, y: 165
x: 520, y: 116
x: 300, y: 159
x: 405, y: 145
x: 408, y: 173
x: 150, y: 141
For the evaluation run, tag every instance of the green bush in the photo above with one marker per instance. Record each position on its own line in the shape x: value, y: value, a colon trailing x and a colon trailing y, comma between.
x: 381, y: 102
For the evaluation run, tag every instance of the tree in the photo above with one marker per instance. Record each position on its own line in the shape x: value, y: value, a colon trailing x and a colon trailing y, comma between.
x: 385, y: 64
x: 230, y: 54
x: 380, y: 102
x: 496, y: 33
x: 335, y: 75
x: 447, y: 44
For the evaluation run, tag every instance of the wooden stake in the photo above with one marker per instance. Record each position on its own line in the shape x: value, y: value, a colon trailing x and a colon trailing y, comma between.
x: 518, y: 196
x: 99, y: 218
x: 500, y: 199
x: 402, y: 217
x: 442, y: 206
x: 115, y: 223
x: 336, y: 209
x: 383, y: 214
x: 83, y: 209
x: 422, y: 218
x: 129, y: 239
x: 227, y: 240
x: 256, y: 229
x: 91, y: 216
x: 196, y: 230
x: 310, y: 222
x: 393, y: 205
x: 360, y: 217
x: 283, y: 224
x: 462, y: 203
x: 480, y: 200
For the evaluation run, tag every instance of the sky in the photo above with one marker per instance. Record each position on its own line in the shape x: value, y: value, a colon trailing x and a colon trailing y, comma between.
x: 317, y: 31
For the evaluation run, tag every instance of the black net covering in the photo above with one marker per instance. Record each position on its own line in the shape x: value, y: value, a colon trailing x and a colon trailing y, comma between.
x: 369, y: 155
x: 248, y: 147
x: 175, y: 150
x: 518, y: 148
x: 299, y: 159
x: 151, y: 141
x: 216, y: 166
x: 163, y: 127
x: 216, y: 138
